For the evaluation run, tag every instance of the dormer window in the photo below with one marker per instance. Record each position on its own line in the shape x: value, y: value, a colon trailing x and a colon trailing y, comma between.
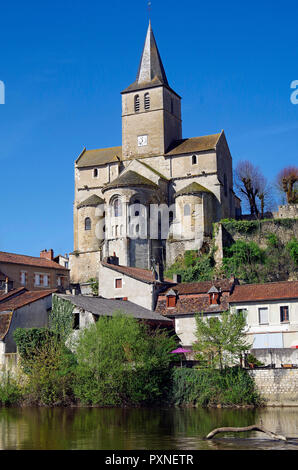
x: 147, y: 101
x: 194, y: 160
x: 171, y: 299
x: 213, y: 296
x: 137, y: 103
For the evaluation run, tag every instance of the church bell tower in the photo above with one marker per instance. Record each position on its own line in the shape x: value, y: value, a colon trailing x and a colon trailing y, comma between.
x: 151, y: 110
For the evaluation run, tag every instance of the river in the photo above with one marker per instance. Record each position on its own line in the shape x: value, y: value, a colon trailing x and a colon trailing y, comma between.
x: 143, y: 429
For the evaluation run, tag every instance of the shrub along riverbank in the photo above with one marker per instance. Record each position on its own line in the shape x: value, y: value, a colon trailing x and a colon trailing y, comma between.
x: 232, y: 387
x: 116, y: 362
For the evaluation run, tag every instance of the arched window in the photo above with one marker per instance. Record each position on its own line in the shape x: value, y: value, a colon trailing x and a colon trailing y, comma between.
x: 95, y: 173
x: 137, y: 103
x: 194, y: 159
x: 137, y: 207
x: 117, y: 208
x: 187, y: 209
x: 171, y: 217
x: 147, y: 101
x: 87, y: 223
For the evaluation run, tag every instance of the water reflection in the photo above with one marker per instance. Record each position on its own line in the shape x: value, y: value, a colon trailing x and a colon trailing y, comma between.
x: 136, y: 429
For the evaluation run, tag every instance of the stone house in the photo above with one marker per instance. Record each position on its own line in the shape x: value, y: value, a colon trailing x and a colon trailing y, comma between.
x: 272, y: 319
x: 21, y: 309
x: 137, y: 285
x: 157, y: 194
x: 88, y: 309
x: 184, y: 301
x: 33, y: 273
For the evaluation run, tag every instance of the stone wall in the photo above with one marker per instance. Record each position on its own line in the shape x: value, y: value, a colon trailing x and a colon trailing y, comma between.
x: 287, y: 211
x: 226, y: 234
x: 279, y: 387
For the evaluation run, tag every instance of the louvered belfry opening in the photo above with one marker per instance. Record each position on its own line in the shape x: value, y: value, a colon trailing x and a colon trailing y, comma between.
x: 147, y: 101
x: 137, y: 103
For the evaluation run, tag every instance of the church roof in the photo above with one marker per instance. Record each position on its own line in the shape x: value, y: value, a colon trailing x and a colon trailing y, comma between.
x: 92, y: 201
x: 151, y: 72
x: 99, y: 156
x: 194, y: 144
x: 129, y: 178
x: 192, y: 188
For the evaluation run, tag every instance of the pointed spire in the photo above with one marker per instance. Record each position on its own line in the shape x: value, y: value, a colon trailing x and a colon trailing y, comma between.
x: 151, y: 71
x: 151, y: 65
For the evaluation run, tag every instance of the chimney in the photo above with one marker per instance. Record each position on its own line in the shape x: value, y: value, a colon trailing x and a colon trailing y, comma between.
x: 159, y: 271
x: 177, y: 278
x: 45, y: 254
x: 113, y: 259
x: 6, y: 285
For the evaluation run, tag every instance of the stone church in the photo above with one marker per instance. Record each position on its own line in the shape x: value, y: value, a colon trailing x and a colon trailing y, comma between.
x: 119, y: 189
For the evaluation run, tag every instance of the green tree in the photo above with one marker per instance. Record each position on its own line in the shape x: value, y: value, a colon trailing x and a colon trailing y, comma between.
x: 121, y: 361
x: 45, y: 358
x: 221, y: 340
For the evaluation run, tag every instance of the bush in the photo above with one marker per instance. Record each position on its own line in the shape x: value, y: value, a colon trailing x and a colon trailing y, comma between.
x: 292, y: 248
x: 121, y: 362
x: 48, y: 364
x: 10, y: 390
x: 193, y: 267
x: 232, y: 386
x: 241, y: 226
x: 50, y: 376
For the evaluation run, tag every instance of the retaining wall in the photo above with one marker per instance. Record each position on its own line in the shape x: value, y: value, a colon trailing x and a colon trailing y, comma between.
x: 279, y: 387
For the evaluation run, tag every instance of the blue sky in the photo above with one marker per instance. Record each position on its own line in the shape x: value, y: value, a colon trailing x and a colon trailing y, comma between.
x: 64, y: 64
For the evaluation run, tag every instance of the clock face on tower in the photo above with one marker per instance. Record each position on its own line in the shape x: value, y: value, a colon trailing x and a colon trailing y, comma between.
x: 142, y: 140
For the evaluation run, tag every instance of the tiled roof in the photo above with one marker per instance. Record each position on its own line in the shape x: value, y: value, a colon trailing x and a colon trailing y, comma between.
x: 223, y: 285
x: 268, y: 291
x: 144, y: 275
x: 12, y: 293
x: 129, y: 178
x: 5, y: 319
x: 92, y: 201
x: 109, y: 307
x: 191, y: 304
x: 193, y: 188
x: 28, y: 260
x: 194, y: 144
x: 24, y: 299
x: 99, y: 157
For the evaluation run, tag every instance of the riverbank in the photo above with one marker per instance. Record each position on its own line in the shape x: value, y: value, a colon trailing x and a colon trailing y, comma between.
x: 180, y: 387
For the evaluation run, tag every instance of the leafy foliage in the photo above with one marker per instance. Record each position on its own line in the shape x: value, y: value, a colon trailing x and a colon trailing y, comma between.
x: 292, y: 248
x: 94, y: 285
x: 121, y: 362
x: 232, y: 386
x: 221, y: 341
x: 10, y: 390
x: 193, y: 267
x: 61, y: 318
x: 48, y: 363
x: 241, y: 226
